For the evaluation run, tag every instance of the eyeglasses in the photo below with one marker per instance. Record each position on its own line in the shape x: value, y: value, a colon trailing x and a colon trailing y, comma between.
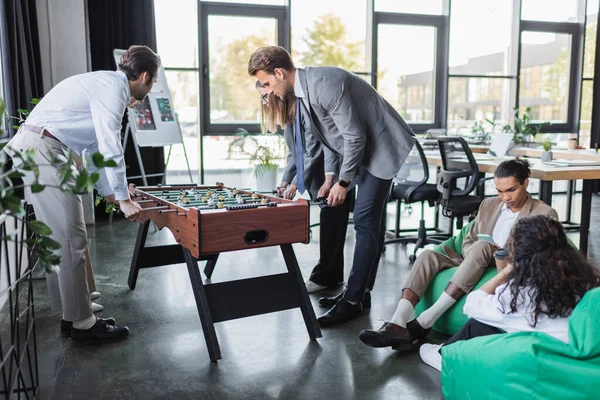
x: 263, y: 98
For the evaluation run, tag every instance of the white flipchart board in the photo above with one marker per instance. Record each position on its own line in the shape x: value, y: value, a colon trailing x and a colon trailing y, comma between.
x: 154, y: 122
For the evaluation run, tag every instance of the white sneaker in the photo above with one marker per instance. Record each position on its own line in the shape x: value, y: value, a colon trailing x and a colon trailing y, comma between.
x: 97, y: 307
x: 312, y: 287
x: 95, y: 295
x: 431, y: 356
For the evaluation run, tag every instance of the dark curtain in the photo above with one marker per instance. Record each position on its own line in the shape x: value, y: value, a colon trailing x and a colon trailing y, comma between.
x: 118, y: 24
x: 21, y: 63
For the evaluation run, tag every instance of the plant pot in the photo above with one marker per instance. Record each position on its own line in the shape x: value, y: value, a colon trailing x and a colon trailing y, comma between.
x: 546, y: 156
x: 267, y: 180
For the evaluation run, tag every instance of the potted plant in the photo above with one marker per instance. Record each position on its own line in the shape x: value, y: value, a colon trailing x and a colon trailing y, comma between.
x: 547, y: 153
x: 524, y: 129
x: 264, y: 157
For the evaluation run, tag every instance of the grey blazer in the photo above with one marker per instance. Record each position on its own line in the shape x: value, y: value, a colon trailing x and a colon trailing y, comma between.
x: 314, y: 162
x: 350, y: 118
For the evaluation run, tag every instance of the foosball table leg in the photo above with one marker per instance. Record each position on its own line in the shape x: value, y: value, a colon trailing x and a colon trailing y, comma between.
x: 139, y: 246
x: 210, y: 266
x: 310, y: 319
x: 208, y: 327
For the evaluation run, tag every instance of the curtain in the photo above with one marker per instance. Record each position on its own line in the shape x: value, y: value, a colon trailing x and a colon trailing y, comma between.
x: 21, y: 60
x: 118, y: 24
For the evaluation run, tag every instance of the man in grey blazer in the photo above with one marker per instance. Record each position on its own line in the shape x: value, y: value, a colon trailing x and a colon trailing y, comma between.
x: 349, y: 118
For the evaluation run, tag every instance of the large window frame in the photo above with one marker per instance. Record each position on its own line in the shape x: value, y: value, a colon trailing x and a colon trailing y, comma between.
x: 442, y: 75
x: 440, y: 23
x: 206, y: 9
x: 577, y: 31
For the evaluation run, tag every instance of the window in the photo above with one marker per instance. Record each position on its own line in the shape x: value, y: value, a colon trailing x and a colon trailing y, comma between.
x: 472, y: 100
x: 481, y: 37
x: 546, y: 58
x: 403, y: 81
x: 432, y: 7
x: 331, y: 33
x: 549, y: 10
x: 589, y: 55
x: 230, y: 34
x: 177, y: 33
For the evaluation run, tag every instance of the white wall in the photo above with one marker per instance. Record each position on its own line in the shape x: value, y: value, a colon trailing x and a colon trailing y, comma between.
x: 65, y: 50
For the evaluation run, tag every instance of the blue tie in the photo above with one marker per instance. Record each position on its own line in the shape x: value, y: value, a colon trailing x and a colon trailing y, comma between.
x: 299, y: 150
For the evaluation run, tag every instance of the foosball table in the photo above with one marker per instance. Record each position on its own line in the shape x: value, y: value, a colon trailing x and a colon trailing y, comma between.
x: 209, y: 220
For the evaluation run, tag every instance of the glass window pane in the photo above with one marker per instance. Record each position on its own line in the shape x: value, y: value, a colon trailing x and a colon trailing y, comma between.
x: 480, y: 37
x: 591, y: 25
x: 331, y: 33
x: 472, y: 100
x: 183, y: 86
x: 549, y: 10
x: 233, y: 98
x: 408, y: 83
x: 544, y: 86
x: 177, y: 33
x: 431, y: 7
x: 585, y: 125
x: 237, y: 170
x: 267, y: 2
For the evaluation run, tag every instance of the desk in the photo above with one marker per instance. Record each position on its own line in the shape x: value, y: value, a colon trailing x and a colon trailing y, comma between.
x: 547, y: 174
x: 589, y: 155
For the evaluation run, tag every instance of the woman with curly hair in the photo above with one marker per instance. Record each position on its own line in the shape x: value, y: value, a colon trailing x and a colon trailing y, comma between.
x: 537, y: 292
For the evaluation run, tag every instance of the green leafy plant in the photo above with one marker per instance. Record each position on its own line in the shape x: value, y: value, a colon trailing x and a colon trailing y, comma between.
x: 72, y: 179
x: 547, y: 145
x: 262, y: 157
x: 524, y: 127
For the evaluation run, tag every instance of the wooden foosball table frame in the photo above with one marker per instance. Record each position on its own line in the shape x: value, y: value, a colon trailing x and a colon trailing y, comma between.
x: 284, y: 223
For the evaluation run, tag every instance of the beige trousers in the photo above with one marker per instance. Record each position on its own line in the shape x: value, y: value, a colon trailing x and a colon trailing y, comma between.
x: 477, y: 257
x: 62, y: 212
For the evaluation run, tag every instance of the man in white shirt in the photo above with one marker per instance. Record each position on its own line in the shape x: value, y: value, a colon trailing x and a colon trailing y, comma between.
x: 496, y: 217
x: 83, y: 114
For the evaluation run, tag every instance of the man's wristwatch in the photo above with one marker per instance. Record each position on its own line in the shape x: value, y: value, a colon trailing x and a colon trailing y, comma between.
x: 343, y: 183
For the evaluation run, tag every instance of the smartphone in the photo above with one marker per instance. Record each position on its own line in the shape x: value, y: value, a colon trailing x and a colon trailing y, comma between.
x: 487, y: 238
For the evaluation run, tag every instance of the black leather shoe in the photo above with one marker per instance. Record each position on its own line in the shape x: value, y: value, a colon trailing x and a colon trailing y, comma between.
x: 342, y: 311
x: 416, y: 330
x: 66, y: 326
x: 101, y: 332
x: 389, y: 335
x: 331, y: 301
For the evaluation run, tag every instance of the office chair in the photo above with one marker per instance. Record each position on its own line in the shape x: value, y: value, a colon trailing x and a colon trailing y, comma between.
x: 458, y: 177
x: 410, y: 186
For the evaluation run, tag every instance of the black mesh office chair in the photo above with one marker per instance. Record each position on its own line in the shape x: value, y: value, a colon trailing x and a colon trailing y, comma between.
x: 458, y: 177
x: 410, y: 186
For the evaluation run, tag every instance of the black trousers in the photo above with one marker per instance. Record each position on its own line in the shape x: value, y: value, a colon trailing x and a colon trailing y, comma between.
x: 369, y: 217
x: 329, y: 271
x: 473, y: 329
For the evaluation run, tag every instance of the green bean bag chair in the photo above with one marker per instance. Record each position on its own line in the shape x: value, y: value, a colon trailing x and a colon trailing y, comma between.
x: 528, y: 365
x: 453, y: 319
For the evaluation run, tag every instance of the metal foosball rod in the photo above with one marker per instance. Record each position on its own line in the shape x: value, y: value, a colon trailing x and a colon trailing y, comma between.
x: 154, y: 208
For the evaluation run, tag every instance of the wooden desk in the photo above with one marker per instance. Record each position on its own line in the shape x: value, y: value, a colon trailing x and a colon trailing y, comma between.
x: 558, y: 154
x: 547, y: 175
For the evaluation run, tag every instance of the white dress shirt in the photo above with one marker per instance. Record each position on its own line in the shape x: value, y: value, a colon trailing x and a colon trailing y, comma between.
x: 504, y: 224
x: 84, y: 112
x: 300, y: 95
x: 494, y: 310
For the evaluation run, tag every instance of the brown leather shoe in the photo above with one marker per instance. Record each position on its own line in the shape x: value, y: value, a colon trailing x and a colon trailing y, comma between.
x: 416, y: 330
x: 389, y: 334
